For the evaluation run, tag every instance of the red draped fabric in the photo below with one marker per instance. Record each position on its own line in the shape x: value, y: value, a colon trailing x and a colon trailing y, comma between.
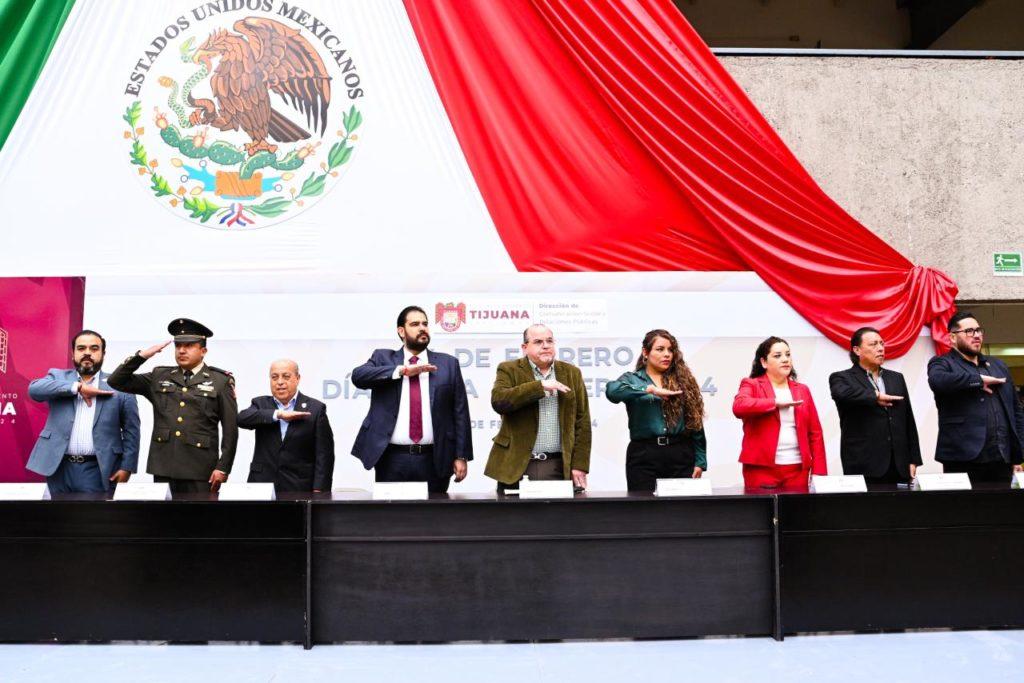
x: 605, y: 136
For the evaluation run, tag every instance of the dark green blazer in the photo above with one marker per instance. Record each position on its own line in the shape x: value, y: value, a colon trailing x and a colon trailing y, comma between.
x: 514, y: 397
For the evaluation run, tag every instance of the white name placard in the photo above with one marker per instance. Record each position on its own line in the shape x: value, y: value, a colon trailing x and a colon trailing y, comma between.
x: 400, y: 490
x: 839, y: 483
x: 668, y: 488
x: 561, y: 488
x: 1018, y: 480
x: 24, y: 492
x: 243, y: 491
x: 139, y: 491
x: 954, y: 481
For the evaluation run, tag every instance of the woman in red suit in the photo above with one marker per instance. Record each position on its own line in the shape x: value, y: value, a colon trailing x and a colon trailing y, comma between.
x: 782, y: 442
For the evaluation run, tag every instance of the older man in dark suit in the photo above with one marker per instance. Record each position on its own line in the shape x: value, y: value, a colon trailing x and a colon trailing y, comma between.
x: 981, y: 423
x: 418, y: 426
x: 294, y: 442
x: 878, y: 433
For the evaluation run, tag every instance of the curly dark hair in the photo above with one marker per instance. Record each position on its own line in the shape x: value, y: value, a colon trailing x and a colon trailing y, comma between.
x: 689, y: 404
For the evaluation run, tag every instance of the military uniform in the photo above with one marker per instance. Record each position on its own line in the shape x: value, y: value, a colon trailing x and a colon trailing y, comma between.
x: 186, y: 414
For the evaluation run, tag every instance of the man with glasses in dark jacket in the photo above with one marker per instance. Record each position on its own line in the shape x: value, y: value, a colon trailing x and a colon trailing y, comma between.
x: 981, y: 423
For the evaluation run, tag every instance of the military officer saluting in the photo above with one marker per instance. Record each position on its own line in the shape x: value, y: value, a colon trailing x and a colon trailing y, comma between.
x: 189, y: 401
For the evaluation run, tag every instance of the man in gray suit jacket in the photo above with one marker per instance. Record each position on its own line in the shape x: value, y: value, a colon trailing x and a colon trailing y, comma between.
x: 91, y: 437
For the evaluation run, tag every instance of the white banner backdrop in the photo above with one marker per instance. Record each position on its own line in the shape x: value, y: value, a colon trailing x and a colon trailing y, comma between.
x: 77, y: 202
x: 329, y: 327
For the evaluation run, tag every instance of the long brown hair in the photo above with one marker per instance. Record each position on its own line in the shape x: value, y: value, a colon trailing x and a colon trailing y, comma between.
x: 689, y: 404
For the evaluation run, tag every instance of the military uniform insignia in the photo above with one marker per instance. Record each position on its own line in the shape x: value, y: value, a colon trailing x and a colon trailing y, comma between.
x: 206, y: 386
x: 230, y: 378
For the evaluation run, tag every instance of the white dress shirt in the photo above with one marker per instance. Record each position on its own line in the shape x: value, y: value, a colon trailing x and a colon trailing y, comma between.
x: 788, y: 452
x: 401, y: 434
x: 281, y: 407
x: 80, y: 442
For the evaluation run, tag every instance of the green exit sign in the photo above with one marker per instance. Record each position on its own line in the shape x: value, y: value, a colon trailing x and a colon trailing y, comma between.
x: 1007, y: 263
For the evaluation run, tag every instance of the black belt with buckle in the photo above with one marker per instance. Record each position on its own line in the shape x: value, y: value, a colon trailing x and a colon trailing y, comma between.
x: 412, y: 449
x: 661, y: 440
x: 79, y: 458
x: 546, y: 456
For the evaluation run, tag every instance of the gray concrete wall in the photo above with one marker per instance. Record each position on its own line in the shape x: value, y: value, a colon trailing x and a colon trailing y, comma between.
x: 875, y: 24
x: 929, y: 154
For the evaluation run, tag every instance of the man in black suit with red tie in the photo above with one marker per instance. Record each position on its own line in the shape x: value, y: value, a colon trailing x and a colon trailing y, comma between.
x: 418, y: 427
x: 294, y: 441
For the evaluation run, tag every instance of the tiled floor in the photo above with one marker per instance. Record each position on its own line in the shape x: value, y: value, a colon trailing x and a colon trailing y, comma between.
x: 933, y: 657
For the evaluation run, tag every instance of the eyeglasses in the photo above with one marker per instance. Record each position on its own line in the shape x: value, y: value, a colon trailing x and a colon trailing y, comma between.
x: 971, y: 331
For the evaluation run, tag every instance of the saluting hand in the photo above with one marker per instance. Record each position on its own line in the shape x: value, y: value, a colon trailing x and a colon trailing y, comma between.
x: 292, y: 415
x: 661, y: 391
x: 89, y: 392
x: 782, y: 403
x: 553, y: 385
x: 413, y: 370
x: 153, y: 350
x: 886, y: 400
x: 989, y: 380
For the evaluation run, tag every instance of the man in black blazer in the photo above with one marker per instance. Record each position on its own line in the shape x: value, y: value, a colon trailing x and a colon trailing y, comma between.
x: 878, y: 433
x: 418, y: 427
x: 981, y: 423
x: 294, y: 441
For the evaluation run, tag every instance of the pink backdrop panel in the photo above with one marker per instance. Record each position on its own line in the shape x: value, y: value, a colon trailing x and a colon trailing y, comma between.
x: 38, y: 315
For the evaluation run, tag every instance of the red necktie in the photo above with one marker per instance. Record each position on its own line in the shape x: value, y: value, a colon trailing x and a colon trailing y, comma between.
x: 415, y: 405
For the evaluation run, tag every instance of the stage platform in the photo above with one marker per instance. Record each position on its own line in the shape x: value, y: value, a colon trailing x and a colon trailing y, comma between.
x: 345, y: 568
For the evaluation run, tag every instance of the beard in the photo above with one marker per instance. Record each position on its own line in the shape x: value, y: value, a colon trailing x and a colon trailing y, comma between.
x: 419, y: 344
x: 92, y: 369
x: 964, y: 348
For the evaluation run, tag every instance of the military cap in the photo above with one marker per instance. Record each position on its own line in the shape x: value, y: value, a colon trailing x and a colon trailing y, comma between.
x: 185, y: 330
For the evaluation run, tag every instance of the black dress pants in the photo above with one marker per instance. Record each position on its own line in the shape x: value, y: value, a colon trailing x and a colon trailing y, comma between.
x: 891, y: 476
x: 646, y: 462
x: 982, y: 471
x: 398, y: 464
x: 184, y: 485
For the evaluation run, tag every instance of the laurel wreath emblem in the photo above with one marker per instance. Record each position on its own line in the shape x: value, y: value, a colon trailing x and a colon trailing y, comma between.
x: 195, y: 148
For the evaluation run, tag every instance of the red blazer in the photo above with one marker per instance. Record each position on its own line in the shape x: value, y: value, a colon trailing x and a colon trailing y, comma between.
x: 755, y: 405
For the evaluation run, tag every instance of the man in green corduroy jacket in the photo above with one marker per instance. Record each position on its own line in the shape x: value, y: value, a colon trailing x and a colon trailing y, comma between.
x: 545, y: 427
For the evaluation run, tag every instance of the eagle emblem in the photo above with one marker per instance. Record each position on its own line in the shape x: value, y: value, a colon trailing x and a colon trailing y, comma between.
x: 245, y: 131
x: 450, y: 316
x: 264, y: 56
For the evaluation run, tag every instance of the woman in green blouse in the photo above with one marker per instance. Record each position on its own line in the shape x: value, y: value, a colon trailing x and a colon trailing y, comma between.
x: 666, y: 415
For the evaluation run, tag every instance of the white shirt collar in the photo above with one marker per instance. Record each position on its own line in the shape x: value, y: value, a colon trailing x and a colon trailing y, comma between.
x: 421, y: 357
x: 290, y: 405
